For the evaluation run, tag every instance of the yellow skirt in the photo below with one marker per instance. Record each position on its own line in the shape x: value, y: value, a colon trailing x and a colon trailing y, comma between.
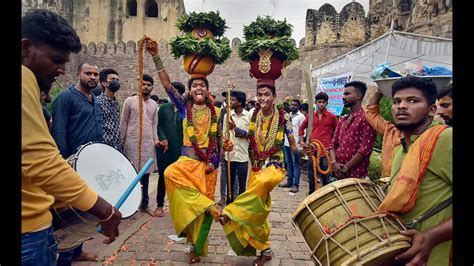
x: 248, y: 229
x: 191, y: 193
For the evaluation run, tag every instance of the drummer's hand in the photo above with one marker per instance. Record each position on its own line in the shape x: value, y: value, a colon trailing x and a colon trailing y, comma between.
x: 110, y: 227
x: 151, y: 46
x: 420, y: 249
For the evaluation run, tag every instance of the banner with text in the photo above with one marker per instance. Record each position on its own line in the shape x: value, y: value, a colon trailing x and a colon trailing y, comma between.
x: 334, y: 87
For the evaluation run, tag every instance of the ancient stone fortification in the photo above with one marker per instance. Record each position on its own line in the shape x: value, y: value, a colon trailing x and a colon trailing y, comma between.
x: 110, y: 36
x: 112, y: 21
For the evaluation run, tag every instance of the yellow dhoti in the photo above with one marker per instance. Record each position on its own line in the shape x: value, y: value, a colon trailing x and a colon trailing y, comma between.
x: 191, y: 193
x: 248, y: 229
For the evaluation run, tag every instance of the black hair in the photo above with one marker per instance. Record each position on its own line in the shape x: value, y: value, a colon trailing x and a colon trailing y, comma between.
x: 240, y: 96
x: 218, y: 104
x: 426, y: 86
x: 267, y: 86
x: 46, y: 27
x: 79, y: 67
x: 155, y: 98
x: 105, y: 72
x: 160, y: 101
x: 321, y: 96
x: 359, y: 85
x: 297, y: 101
x: 178, y: 86
x: 446, y: 91
x: 304, y: 107
x: 286, y: 107
x: 190, y: 82
x: 252, y: 102
x: 149, y: 78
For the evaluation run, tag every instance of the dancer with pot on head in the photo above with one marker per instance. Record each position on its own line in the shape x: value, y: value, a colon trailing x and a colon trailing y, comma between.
x: 245, y: 219
x: 191, y: 181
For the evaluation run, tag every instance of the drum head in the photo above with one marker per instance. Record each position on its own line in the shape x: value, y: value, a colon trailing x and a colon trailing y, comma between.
x: 108, y: 172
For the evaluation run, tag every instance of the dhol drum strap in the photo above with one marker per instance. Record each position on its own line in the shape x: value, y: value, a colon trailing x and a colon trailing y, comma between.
x: 430, y: 213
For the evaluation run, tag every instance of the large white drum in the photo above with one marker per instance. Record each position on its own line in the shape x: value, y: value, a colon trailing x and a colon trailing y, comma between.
x: 108, y: 172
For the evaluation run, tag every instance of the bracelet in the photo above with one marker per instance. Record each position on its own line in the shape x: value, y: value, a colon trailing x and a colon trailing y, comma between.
x: 333, y: 162
x: 158, y: 63
x: 112, y: 214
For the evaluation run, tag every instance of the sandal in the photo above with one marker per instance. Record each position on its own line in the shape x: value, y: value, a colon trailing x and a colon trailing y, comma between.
x: 260, y: 260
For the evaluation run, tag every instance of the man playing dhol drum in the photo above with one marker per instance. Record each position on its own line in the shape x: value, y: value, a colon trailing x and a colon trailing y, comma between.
x: 421, y: 174
x: 245, y: 220
x: 47, y: 42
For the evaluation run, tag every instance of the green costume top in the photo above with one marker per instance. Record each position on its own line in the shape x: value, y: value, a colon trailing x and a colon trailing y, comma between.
x: 435, y: 187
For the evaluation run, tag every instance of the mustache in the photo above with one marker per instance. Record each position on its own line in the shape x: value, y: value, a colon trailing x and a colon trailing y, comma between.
x: 401, y: 113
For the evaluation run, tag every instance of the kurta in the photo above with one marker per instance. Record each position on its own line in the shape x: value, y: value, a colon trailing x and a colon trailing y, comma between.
x: 129, y: 131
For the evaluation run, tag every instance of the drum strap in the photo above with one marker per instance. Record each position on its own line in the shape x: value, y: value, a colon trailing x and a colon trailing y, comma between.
x: 430, y: 212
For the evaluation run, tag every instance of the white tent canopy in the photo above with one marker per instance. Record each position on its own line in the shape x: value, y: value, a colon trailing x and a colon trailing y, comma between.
x: 394, y: 47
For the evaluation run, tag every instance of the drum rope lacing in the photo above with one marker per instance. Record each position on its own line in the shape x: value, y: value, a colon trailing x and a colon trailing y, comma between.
x: 359, y: 219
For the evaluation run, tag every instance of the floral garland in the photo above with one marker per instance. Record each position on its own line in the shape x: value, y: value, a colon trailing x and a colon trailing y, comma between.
x: 256, y: 154
x: 211, y: 157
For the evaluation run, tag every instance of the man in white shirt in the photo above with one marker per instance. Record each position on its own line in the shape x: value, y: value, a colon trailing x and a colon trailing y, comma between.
x: 240, y: 121
x: 293, y: 160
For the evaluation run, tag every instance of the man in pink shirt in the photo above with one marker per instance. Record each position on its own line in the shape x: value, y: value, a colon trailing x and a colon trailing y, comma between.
x: 354, y: 138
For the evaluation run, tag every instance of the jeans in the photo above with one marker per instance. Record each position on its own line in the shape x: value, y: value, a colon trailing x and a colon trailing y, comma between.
x: 39, y: 248
x: 65, y: 258
x: 145, y: 198
x: 293, y: 166
x: 235, y: 183
x: 326, y: 179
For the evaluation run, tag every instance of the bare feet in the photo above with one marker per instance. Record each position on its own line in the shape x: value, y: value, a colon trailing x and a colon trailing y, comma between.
x: 159, y: 212
x: 108, y: 240
x: 85, y: 256
x: 193, y: 258
x: 223, y: 219
x: 148, y: 211
x: 260, y: 260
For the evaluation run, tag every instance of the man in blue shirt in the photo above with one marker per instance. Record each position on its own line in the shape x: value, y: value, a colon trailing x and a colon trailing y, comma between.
x: 77, y: 120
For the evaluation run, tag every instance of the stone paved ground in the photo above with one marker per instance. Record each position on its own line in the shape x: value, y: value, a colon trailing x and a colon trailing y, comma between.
x: 144, y: 240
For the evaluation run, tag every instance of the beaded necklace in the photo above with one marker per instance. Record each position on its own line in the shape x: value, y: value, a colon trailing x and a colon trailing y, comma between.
x: 271, y: 142
x: 211, y: 157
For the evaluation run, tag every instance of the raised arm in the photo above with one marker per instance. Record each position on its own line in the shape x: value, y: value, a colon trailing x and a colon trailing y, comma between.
x: 176, y: 98
x: 372, y: 113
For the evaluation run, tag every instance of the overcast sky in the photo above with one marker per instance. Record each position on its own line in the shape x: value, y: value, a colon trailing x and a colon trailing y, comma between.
x: 238, y: 13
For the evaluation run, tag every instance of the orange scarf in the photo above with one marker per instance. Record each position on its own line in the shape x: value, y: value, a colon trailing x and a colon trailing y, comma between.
x: 402, y: 196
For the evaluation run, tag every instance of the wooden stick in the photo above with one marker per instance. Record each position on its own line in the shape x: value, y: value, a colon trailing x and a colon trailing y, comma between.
x: 230, y: 195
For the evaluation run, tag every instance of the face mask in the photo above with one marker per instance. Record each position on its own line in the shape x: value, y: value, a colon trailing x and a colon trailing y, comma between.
x: 114, y: 86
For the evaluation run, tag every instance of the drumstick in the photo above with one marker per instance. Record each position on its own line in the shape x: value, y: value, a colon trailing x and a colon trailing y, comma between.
x: 130, y: 188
